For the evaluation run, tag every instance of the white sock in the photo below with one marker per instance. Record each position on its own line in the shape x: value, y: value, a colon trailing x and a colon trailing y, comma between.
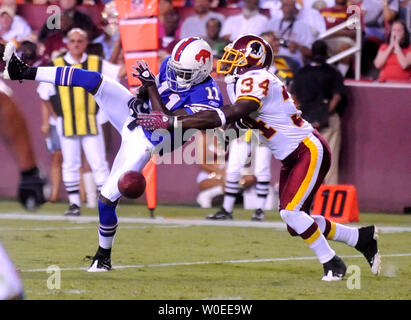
x: 91, y: 190
x: 310, y: 232
x: 46, y: 74
x: 322, y: 249
x: 228, y: 203
x: 75, y: 198
x: 262, y: 189
x: 337, y: 232
x: 105, y: 242
x: 348, y: 235
x: 260, y: 203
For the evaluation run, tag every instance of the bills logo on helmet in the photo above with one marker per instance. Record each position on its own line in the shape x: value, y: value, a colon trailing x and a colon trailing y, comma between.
x: 203, y: 55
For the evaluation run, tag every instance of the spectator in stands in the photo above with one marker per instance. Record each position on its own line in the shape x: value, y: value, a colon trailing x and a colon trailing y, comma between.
x: 169, y: 40
x: 403, y: 9
x: 213, y: 38
x: 378, y: 15
x: 295, y: 36
x: 164, y: 6
x: 317, y: 4
x: 342, y: 39
x: 110, y: 38
x: 196, y: 24
x: 12, y: 27
x: 76, y: 18
x: 249, y: 20
x: 283, y: 67
x: 312, y: 17
x: 318, y: 89
x: 274, y: 6
x: 307, y: 13
x: 394, y: 56
x: 30, y: 53
x: 55, y: 44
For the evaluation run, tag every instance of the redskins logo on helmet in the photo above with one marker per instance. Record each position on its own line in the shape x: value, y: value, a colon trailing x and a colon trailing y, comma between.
x: 246, y: 53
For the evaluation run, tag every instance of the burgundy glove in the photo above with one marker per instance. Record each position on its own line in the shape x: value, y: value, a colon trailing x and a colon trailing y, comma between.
x: 155, y: 120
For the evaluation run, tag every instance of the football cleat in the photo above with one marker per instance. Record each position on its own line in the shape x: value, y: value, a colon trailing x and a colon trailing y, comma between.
x: 101, y: 263
x: 73, y: 210
x: 222, y: 214
x: 334, y: 270
x: 367, y: 245
x: 258, y: 215
x: 15, y: 68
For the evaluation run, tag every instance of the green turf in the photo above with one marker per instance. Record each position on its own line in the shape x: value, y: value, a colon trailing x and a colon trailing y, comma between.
x: 40, y: 244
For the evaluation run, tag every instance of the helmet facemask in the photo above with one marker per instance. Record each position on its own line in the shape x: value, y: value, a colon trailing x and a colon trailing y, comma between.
x: 231, y: 59
x: 180, y: 79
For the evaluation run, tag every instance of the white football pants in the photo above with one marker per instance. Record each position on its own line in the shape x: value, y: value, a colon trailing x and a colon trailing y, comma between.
x: 94, y: 150
x: 238, y: 157
x: 135, y: 150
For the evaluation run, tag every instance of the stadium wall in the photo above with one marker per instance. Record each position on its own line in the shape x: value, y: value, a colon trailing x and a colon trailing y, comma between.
x: 375, y: 153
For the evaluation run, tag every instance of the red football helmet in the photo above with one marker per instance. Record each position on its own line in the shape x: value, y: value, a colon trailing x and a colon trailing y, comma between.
x: 248, y: 52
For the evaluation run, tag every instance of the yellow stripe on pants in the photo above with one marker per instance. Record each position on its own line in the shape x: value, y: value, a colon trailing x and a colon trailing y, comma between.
x: 310, y: 173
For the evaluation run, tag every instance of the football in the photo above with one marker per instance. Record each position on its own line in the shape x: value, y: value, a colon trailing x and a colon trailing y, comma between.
x: 131, y: 184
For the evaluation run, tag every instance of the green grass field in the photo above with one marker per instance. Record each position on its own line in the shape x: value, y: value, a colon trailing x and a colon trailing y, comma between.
x: 176, y: 256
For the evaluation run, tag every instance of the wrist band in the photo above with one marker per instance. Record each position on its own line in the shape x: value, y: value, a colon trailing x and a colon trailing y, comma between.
x: 175, y: 122
x: 221, y: 115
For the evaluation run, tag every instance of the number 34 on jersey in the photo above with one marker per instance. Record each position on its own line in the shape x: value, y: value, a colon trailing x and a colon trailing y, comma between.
x: 277, y: 119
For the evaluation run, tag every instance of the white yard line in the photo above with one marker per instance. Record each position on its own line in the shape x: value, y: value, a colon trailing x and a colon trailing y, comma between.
x: 277, y: 225
x: 80, y: 228
x: 177, y: 264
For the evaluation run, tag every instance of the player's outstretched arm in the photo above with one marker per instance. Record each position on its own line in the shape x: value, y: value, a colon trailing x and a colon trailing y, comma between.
x: 208, y: 119
x: 144, y: 74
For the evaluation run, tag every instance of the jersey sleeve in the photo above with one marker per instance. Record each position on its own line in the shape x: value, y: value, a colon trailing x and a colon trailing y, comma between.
x: 253, y: 86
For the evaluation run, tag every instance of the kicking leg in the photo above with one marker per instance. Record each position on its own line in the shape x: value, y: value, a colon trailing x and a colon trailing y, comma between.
x: 110, y: 95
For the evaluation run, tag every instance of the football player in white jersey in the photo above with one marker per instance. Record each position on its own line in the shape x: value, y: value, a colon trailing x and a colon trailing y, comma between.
x: 185, y: 87
x: 263, y: 103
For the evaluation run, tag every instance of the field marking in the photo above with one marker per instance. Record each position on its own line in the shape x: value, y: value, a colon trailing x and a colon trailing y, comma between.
x: 177, y: 264
x: 81, y: 228
x: 277, y: 225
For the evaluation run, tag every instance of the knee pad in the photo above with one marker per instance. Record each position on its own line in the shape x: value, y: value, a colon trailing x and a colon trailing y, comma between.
x: 299, y: 221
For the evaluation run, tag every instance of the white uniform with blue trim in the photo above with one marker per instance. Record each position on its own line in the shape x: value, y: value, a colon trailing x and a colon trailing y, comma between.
x: 138, y: 144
